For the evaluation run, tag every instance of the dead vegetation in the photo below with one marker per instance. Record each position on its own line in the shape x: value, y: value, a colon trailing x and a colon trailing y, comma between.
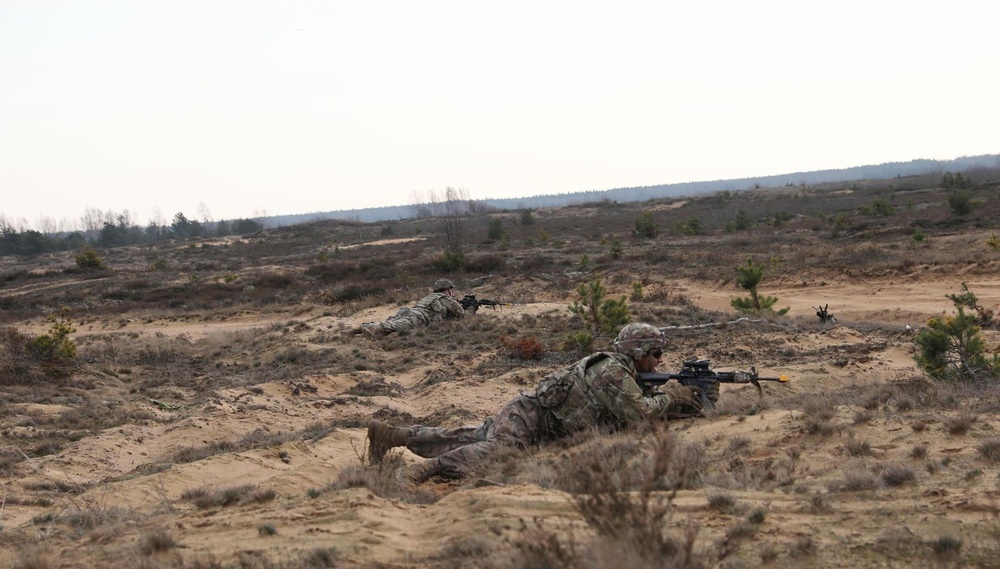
x: 213, y: 413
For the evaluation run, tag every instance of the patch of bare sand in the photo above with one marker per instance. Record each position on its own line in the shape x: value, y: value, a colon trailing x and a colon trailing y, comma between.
x: 383, y: 242
x: 898, y: 301
x: 948, y: 497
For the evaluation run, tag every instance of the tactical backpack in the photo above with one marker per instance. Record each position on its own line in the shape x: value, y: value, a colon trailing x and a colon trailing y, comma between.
x: 556, y: 387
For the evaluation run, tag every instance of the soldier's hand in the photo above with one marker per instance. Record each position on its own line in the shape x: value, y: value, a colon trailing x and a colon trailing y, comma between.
x: 681, y: 395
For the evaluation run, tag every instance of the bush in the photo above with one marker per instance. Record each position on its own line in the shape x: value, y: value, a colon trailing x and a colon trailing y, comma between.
x: 523, y: 348
x: 741, y: 223
x: 968, y: 299
x: 878, y: 208
x: 961, y: 203
x: 496, y: 232
x: 450, y: 261
x: 692, y: 226
x: 616, y: 250
x: 951, y: 347
x: 55, y: 346
x: 602, y: 316
x: 88, y: 259
x: 749, y: 278
x: 645, y: 227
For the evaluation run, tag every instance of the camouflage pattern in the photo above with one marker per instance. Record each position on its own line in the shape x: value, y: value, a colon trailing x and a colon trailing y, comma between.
x: 442, y: 285
x: 597, y: 390
x: 638, y: 339
x: 434, y: 307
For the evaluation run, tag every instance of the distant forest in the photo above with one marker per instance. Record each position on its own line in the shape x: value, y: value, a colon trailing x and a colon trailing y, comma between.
x: 110, y: 229
x: 644, y: 193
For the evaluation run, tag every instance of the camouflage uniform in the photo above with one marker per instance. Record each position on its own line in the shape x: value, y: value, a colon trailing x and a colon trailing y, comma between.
x: 434, y: 307
x: 597, y: 390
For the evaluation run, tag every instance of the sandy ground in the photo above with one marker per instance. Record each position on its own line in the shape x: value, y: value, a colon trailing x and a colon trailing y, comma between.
x: 130, y: 467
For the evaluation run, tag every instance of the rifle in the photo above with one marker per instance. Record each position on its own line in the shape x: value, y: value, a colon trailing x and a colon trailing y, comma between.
x: 696, y: 373
x: 470, y: 301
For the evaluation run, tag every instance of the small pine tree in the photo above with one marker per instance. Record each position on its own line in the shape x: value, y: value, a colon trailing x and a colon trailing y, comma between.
x: 645, y: 227
x: 496, y: 232
x: 748, y: 279
x: 951, y: 347
x: 637, y: 292
x: 616, y: 250
x: 741, y: 223
x: 88, y: 259
x: 55, y: 346
x: 961, y: 203
x: 602, y: 316
x: 968, y: 299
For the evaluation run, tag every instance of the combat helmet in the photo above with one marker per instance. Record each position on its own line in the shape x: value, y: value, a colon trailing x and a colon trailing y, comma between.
x: 638, y: 339
x: 441, y: 285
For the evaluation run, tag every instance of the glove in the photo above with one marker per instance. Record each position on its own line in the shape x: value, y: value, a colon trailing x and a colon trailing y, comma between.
x: 681, y: 394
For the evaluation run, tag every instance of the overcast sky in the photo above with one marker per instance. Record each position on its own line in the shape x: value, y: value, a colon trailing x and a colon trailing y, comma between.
x: 229, y: 109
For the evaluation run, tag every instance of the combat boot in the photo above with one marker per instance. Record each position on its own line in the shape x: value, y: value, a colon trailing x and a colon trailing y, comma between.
x: 421, y: 472
x: 373, y: 329
x: 382, y: 437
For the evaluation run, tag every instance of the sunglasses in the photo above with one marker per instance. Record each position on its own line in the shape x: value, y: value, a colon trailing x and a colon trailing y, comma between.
x: 656, y: 354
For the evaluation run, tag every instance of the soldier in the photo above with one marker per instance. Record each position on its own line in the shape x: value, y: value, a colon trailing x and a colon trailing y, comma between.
x: 600, y: 389
x: 434, y: 307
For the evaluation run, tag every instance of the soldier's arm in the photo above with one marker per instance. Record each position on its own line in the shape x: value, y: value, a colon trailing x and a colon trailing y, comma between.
x: 453, y: 307
x: 622, y: 397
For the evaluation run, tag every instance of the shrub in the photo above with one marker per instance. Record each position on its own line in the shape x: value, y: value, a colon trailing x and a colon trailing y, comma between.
x: 951, y: 347
x: 496, y: 232
x: 645, y: 227
x: 582, y: 342
x: 956, y: 181
x: 749, y: 278
x: 87, y: 259
x: 55, y: 346
x: 156, y: 542
x: 602, y: 316
x: 691, y: 226
x: 968, y: 299
x: 523, y: 348
x: 637, y: 292
x: 993, y: 242
x: 878, y: 208
x: 450, y: 261
x: 617, y: 252
x: 626, y: 527
x: 990, y: 449
x: 741, y: 223
x: 961, y: 202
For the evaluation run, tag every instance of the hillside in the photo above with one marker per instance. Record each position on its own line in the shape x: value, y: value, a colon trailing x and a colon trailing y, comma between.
x: 975, y: 166
x: 214, y: 413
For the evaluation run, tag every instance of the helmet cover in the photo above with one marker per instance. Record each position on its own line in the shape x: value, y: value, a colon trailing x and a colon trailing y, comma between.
x: 442, y: 285
x: 638, y: 339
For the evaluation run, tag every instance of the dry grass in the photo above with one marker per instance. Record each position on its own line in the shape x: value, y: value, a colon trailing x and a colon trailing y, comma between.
x: 205, y: 497
x: 622, y: 485
x: 626, y: 526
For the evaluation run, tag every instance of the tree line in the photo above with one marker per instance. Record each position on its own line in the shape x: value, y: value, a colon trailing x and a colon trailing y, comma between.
x: 111, y: 229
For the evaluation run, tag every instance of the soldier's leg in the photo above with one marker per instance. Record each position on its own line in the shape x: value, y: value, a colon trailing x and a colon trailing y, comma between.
x: 401, y: 323
x: 430, y: 442
x: 517, y: 424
